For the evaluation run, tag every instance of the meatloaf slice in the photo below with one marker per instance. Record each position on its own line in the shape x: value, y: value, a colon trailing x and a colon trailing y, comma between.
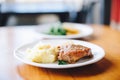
x: 72, y: 53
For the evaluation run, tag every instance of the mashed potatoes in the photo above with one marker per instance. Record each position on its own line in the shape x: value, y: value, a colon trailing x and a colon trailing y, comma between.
x: 42, y: 53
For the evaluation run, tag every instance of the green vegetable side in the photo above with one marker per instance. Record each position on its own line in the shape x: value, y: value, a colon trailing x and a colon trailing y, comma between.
x: 57, y: 30
x: 61, y: 29
x: 61, y: 62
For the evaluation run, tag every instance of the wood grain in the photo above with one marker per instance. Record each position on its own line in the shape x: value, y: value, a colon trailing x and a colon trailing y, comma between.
x: 106, y: 69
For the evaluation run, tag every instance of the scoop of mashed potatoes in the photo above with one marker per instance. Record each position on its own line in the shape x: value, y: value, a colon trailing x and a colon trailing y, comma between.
x: 42, y: 53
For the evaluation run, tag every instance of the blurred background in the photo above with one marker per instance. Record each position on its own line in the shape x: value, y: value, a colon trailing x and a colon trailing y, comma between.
x: 35, y: 12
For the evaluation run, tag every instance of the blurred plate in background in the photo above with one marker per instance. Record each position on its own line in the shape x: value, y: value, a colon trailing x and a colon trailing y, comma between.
x: 84, y: 31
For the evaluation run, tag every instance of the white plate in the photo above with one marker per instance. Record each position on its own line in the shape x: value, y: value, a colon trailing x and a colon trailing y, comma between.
x: 98, y: 54
x: 84, y: 30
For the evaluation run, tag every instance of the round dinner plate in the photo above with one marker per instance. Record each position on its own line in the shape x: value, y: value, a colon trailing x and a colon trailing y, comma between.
x: 97, y: 51
x: 84, y: 31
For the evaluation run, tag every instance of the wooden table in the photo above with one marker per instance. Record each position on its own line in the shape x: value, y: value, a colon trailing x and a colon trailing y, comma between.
x: 106, y: 69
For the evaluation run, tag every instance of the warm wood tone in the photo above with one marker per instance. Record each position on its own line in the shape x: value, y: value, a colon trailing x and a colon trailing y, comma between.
x: 106, y: 69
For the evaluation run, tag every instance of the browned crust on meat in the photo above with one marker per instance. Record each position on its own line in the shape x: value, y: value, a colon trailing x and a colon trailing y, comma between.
x: 72, y: 53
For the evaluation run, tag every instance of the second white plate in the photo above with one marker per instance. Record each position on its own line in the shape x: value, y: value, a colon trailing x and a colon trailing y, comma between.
x: 84, y: 30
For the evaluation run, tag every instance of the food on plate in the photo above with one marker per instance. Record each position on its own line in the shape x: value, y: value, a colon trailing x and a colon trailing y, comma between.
x: 61, y: 29
x: 42, y: 53
x: 72, y: 52
x: 61, y: 62
x: 70, y: 30
x: 64, y: 54
x: 57, y: 31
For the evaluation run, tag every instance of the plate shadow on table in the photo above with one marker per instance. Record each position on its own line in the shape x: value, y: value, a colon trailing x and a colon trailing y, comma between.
x: 92, y: 69
x: 89, y: 70
x: 84, y: 71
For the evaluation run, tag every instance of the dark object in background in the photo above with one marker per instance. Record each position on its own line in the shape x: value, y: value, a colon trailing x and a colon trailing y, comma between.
x: 0, y: 16
x: 81, y: 16
x: 107, y: 11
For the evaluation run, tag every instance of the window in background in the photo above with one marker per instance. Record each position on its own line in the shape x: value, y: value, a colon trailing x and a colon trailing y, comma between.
x: 73, y: 8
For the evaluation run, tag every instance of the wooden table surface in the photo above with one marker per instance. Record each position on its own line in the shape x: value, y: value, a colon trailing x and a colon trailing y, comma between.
x: 106, y: 69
